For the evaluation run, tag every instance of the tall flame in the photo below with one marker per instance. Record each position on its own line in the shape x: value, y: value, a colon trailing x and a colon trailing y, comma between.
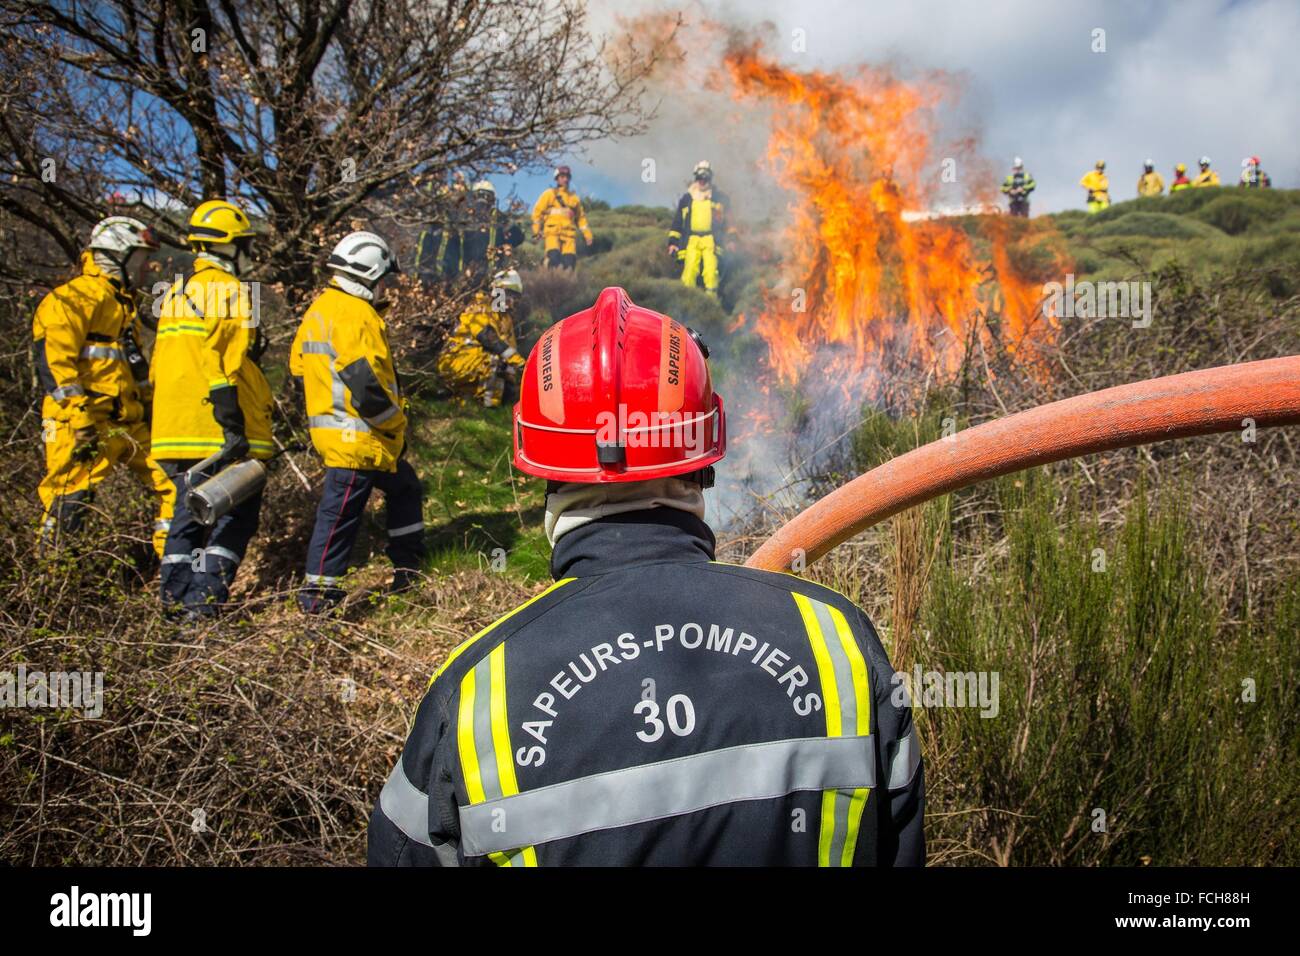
x: 863, y: 270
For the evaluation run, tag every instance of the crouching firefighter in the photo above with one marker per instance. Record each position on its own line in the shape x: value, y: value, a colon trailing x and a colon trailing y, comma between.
x: 357, y: 418
x: 652, y: 706
x: 210, y: 397
x: 481, y: 356
x: 96, y: 380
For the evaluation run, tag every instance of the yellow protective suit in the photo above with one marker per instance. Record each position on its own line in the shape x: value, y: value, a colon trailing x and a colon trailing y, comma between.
x: 205, y: 332
x: 700, y: 217
x: 355, y: 408
x: 474, y: 358
x: 1207, y: 178
x: 1098, y: 187
x: 558, y: 217
x: 81, y: 363
x: 1151, y: 184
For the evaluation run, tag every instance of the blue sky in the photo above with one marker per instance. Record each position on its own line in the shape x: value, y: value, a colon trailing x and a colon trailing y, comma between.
x: 1176, y: 80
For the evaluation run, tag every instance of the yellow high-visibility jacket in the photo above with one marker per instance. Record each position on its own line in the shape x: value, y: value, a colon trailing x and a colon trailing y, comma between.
x: 480, y: 334
x: 80, y: 360
x: 206, y: 328
x: 559, y: 211
x: 355, y: 408
x: 1096, y: 183
x: 1151, y: 184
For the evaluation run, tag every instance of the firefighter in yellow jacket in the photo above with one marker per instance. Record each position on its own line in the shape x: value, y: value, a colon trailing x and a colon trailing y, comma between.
x: 482, y: 355
x: 558, y: 218
x: 210, y: 397
x: 1150, y: 183
x: 699, y: 221
x: 357, y: 417
x: 88, y: 363
x: 1098, y: 187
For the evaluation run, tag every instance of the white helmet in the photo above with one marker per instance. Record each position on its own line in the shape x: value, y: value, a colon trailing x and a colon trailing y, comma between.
x: 1149, y: 163
x: 1245, y: 163
x: 364, y: 256
x: 703, y: 168
x: 484, y: 185
x: 508, y: 280
x: 121, y: 234
x: 1017, y: 163
x: 1205, y: 160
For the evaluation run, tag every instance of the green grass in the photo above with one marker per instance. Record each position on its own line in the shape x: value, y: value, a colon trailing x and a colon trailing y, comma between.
x: 475, y: 502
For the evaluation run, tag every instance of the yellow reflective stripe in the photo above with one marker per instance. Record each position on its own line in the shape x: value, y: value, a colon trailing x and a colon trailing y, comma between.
x: 862, y: 695
x: 525, y: 856
x: 182, y: 328
x: 825, y: 669
x: 482, y: 713
x: 467, y: 644
x: 841, y: 810
x: 465, y: 740
x: 858, y: 665
x: 221, y: 382
x: 827, y: 828
x: 857, y: 803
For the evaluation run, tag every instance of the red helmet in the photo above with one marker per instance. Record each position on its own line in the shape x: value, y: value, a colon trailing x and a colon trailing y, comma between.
x: 617, y: 393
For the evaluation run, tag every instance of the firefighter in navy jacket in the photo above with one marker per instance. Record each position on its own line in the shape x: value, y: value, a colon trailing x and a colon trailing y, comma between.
x: 652, y: 706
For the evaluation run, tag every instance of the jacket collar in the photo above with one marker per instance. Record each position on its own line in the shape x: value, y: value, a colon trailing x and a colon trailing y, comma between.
x: 617, y: 542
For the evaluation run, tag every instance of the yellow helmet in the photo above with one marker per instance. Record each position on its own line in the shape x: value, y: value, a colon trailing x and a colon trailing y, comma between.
x: 218, y: 221
x: 1180, y: 168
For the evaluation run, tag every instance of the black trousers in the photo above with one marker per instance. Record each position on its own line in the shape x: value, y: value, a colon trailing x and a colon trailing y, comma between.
x: 199, y: 563
x: 338, y: 520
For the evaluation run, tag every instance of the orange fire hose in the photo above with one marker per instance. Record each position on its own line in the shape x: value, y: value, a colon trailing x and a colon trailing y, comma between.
x: 1176, y: 406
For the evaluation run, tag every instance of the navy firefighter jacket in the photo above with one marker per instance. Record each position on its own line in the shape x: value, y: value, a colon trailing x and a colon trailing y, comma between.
x: 654, y: 707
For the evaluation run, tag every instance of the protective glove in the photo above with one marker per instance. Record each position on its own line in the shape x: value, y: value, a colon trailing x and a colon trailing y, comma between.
x: 587, y: 237
x: 226, y: 410
x: 85, y: 444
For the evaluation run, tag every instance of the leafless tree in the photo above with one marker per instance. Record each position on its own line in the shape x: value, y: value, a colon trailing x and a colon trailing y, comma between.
x: 311, y: 112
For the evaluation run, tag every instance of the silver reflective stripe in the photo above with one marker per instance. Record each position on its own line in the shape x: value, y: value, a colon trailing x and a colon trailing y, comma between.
x: 318, y: 348
x: 321, y: 579
x: 67, y: 391
x: 668, y: 788
x: 406, y: 529
x: 162, y: 524
x: 384, y: 416
x: 176, y: 559
x: 903, y: 767
x: 406, y: 806
x: 340, y: 423
x: 101, y: 352
x: 226, y: 553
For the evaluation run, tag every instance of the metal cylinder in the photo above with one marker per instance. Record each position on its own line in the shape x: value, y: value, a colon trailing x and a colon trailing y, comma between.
x: 225, y: 490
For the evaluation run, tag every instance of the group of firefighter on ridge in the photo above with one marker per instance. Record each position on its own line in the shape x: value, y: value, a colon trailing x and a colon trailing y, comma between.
x: 475, y: 240
x: 1019, y: 184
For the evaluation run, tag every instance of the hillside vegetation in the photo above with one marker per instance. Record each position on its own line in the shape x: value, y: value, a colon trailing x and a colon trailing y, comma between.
x: 1121, y: 688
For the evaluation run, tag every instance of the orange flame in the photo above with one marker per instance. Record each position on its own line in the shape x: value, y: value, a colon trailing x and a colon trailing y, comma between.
x: 862, y: 271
